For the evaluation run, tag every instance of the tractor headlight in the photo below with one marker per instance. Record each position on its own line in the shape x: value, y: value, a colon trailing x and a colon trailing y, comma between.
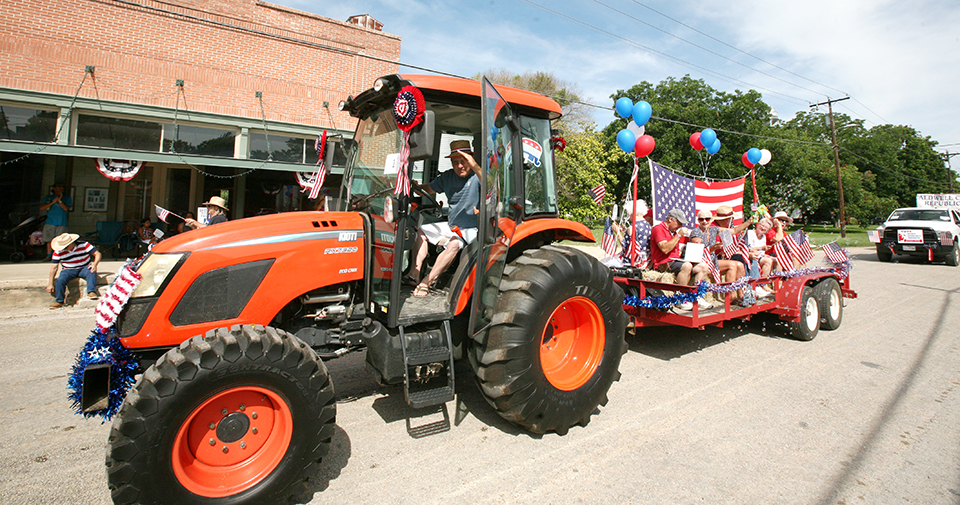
x: 154, y: 271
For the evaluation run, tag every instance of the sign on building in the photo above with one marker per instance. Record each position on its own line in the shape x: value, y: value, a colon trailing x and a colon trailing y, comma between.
x: 939, y: 201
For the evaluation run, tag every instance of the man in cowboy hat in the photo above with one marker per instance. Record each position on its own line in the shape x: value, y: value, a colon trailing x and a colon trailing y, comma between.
x: 461, y: 185
x: 216, y: 209
x: 77, y: 259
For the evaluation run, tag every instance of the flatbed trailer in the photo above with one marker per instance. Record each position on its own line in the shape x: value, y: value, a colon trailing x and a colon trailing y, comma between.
x: 806, y: 302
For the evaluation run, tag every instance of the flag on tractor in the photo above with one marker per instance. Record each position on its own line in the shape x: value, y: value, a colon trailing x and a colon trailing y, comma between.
x: 609, y: 242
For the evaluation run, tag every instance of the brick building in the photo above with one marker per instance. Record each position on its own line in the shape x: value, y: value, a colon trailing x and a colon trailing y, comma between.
x: 195, y: 89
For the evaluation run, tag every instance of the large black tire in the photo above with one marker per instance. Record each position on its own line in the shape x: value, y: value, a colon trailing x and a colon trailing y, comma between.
x: 555, y: 342
x: 271, y: 406
x: 884, y: 254
x: 830, y: 302
x: 809, y: 325
x: 953, y: 259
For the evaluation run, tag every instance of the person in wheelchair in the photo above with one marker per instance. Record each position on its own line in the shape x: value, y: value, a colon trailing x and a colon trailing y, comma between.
x: 461, y: 185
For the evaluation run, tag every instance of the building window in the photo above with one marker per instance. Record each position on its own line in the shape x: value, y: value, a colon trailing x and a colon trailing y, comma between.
x: 32, y: 125
x: 185, y: 139
x: 118, y: 133
x: 282, y: 148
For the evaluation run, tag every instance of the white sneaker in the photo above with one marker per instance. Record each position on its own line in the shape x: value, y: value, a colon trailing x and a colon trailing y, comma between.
x: 705, y: 304
x: 686, y: 306
x: 761, y: 293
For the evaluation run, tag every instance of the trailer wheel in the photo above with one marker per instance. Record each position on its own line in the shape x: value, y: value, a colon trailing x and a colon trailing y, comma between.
x: 809, y: 325
x: 830, y: 302
x: 554, y: 346
x: 240, y: 416
x: 953, y: 259
x: 884, y: 254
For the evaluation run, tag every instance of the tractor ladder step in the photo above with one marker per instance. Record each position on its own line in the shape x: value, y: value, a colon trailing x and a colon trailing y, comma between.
x: 427, y: 357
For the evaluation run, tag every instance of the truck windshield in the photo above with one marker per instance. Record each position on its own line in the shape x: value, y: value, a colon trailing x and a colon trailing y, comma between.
x: 919, y: 215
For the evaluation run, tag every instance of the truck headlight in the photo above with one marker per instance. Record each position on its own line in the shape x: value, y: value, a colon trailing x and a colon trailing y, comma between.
x: 154, y: 270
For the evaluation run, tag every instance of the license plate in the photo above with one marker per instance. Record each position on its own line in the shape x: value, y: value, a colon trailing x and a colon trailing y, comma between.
x: 910, y: 236
x: 909, y: 248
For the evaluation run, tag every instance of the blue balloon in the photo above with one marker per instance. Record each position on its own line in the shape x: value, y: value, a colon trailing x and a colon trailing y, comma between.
x: 713, y: 147
x: 754, y: 155
x: 624, y: 106
x: 707, y: 136
x: 642, y: 112
x: 626, y: 140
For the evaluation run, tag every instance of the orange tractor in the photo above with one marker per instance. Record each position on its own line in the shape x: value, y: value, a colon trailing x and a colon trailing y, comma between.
x: 230, y: 323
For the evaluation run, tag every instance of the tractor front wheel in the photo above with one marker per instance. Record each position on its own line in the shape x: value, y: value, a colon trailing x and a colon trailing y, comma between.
x: 240, y: 415
x: 554, y: 346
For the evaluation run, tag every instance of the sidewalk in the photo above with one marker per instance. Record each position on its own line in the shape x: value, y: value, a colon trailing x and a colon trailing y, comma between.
x: 23, y: 287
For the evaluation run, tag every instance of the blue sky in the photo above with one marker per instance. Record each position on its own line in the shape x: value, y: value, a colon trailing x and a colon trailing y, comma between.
x: 898, y: 60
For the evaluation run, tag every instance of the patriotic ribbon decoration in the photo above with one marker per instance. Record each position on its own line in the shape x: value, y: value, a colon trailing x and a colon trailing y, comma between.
x: 408, y: 111
x: 116, y: 297
x: 319, y: 145
x: 119, y: 170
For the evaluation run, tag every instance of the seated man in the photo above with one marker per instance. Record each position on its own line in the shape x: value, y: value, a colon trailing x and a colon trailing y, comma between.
x: 665, y: 253
x: 78, y: 259
x: 461, y: 185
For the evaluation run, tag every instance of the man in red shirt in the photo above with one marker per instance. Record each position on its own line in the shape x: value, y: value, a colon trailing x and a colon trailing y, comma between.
x: 665, y: 252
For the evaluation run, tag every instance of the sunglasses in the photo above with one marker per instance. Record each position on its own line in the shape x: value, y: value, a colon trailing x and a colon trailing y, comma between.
x: 703, y: 219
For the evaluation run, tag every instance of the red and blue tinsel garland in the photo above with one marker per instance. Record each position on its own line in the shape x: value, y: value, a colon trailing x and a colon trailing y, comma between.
x: 103, y: 347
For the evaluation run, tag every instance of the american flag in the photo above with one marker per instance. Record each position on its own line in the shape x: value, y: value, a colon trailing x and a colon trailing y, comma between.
x: 708, y: 259
x: 319, y: 144
x: 873, y: 236
x: 637, y: 251
x: 733, y: 245
x: 162, y: 213
x: 834, y: 253
x: 608, y: 243
x: 799, y: 246
x: 672, y: 191
x: 783, y: 257
x: 946, y: 238
x: 597, y: 193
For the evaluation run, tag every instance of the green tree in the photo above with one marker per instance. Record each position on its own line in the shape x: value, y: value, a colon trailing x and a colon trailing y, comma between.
x: 581, y: 167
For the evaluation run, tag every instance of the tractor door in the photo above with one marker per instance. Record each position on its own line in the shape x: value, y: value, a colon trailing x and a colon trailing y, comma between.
x: 501, y: 200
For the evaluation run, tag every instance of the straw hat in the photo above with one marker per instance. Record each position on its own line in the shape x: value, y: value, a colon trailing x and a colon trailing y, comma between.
x: 63, y: 241
x: 216, y: 201
x: 459, y: 146
x: 723, y: 212
x: 783, y: 215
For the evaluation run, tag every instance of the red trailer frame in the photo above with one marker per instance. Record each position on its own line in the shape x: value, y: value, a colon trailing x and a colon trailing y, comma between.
x: 786, y: 302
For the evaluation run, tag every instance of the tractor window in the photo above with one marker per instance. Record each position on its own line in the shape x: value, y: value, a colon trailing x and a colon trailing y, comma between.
x: 541, y: 194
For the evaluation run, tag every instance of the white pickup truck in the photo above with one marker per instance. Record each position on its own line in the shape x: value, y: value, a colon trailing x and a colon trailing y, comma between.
x: 921, y: 231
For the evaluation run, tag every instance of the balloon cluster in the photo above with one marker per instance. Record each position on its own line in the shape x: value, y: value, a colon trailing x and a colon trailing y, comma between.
x: 632, y: 139
x: 706, y: 139
x: 754, y: 156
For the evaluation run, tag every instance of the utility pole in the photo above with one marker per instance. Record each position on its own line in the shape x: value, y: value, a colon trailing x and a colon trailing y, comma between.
x: 836, y: 157
x: 946, y: 157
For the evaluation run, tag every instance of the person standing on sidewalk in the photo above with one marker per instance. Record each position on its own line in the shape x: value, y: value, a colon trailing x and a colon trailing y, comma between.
x: 57, y: 206
x: 78, y: 259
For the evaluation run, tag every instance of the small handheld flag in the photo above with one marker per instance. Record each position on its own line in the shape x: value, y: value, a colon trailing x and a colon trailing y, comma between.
x: 597, y: 193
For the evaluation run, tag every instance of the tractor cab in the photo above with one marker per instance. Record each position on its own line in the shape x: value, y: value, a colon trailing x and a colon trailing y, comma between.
x: 510, y: 142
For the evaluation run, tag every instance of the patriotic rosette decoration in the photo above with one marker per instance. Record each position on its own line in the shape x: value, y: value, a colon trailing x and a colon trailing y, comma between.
x: 103, y: 347
x: 408, y: 111
x: 119, y: 170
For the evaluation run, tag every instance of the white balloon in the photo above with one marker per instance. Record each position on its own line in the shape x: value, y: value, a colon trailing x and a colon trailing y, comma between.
x: 637, y: 130
x: 765, y: 156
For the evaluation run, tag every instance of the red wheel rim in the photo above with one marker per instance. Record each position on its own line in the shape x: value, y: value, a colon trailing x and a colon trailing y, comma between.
x: 572, y: 345
x: 250, y: 429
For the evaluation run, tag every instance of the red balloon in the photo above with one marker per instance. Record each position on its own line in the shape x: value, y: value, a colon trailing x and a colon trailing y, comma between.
x: 746, y: 162
x: 695, y: 141
x: 644, y: 146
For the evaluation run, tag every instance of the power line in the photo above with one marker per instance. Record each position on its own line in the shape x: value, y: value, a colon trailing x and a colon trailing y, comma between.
x: 662, y: 54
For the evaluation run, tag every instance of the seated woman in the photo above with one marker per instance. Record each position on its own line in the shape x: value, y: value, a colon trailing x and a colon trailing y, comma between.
x: 760, y: 263
x: 145, y: 233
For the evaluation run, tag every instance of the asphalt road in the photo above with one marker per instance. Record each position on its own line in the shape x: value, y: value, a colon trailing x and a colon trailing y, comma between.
x: 868, y: 414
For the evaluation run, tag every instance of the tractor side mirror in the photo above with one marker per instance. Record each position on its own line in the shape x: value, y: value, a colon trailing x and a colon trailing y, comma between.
x: 421, y: 138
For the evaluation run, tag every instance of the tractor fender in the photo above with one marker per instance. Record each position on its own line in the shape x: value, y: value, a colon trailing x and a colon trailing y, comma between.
x: 549, y: 229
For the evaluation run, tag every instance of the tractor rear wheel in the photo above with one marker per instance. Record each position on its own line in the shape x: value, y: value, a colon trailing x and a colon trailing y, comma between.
x: 554, y: 346
x: 240, y: 416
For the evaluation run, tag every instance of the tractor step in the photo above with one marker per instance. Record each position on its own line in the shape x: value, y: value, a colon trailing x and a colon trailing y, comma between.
x: 428, y: 397
x: 427, y: 357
